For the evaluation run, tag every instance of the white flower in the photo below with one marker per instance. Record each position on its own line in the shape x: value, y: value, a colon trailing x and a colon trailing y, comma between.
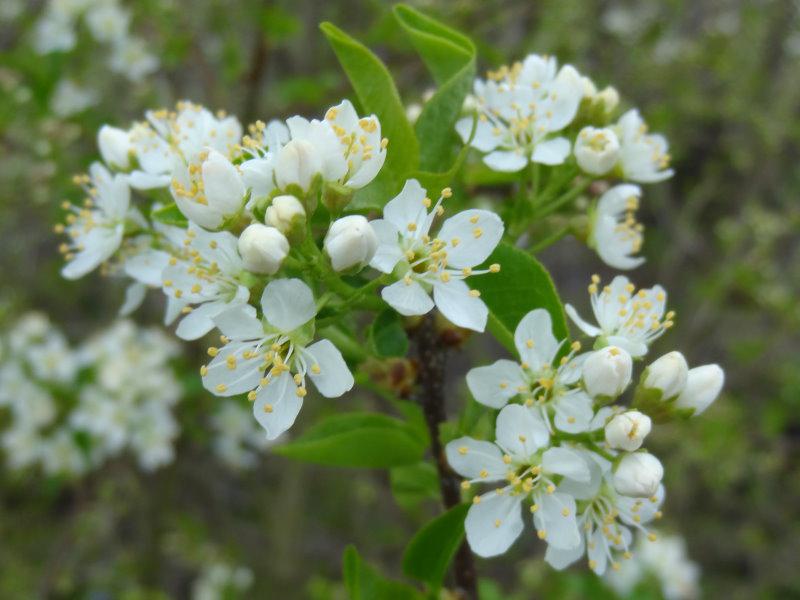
x: 596, y: 150
x: 115, y: 146
x: 209, y: 191
x: 638, y: 475
x: 107, y: 22
x: 285, y: 213
x: 606, y: 519
x: 703, y: 385
x: 350, y: 242
x: 668, y: 374
x: 423, y: 263
x: 643, y: 157
x: 528, y: 471
x: 520, y: 110
x: 238, y: 439
x: 69, y: 98
x: 607, y: 372
x: 263, y: 248
x: 263, y: 143
x: 537, y: 379
x: 628, y: 430
x: 615, y: 233
x: 270, y: 359
x: 54, y: 32
x: 360, y: 144
x: 96, y: 230
x: 130, y: 58
x: 299, y: 162
x: 626, y: 318
x: 206, y: 275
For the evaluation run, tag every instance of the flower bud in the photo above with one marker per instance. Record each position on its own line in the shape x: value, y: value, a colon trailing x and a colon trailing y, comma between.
x: 609, y: 98
x: 297, y: 163
x: 115, y: 146
x: 607, y: 372
x: 596, y: 150
x: 222, y: 184
x: 350, y: 241
x: 285, y: 213
x: 668, y: 374
x: 628, y: 430
x: 638, y: 475
x: 703, y: 385
x: 263, y: 248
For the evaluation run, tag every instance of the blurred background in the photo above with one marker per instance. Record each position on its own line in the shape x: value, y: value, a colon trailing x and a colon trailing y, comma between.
x: 719, y: 78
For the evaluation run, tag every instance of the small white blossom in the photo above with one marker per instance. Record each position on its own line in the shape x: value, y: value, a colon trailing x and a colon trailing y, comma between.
x: 628, y: 430
x: 625, y: 318
x: 440, y: 264
x: 643, y: 157
x: 638, y: 475
x: 607, y: 372
x: 596, y: 150
x: 263, y: 249
x: 350, y: 242
x: 615, y: 233
x: 238, y: 439
x: 285, y: 213
x: 115, y: 146
x: 108, y: 22
x: 69, y: 98
x: 130, y: 58
x: 668, y: 374
x: 703, y: 385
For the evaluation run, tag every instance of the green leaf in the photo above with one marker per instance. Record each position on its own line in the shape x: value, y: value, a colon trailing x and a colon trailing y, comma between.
x: 450, y: 57
x: 357, y: 440
x: 364, y: 582
x: 377, y: 94
x: 522, y: 285
x: 170, y: 215
x: 387, y: 336
x: 428, y: 555
x: 413, y: 484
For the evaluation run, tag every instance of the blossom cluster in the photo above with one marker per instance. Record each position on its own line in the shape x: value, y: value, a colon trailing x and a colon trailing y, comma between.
x: 72, y: 409
x: 565, y: 445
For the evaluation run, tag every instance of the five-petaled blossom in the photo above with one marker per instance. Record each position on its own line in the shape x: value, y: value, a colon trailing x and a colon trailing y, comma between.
x: 643, y: 157
x: 543, y: 383
x: 439, y: 264
x: 520, y: 111
x: 626, y: 318
x: 616, y: 234
x: 522, y: 467
x: 270, y: 358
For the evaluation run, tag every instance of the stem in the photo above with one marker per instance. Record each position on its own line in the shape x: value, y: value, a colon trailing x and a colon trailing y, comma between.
x: 564, y: 199
x: 549, y: 240
x: 432, y: 361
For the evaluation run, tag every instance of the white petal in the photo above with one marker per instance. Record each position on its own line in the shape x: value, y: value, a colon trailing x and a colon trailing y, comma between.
x: 388, y: 252
x: 146, y: 267
x: 240, y: 323
x: 556, y: 517
x: 99, y: 244
x: 551, y: 152
x: 505, y: 161
x: 574, y: 412
x: 334, y: 378
x: 222, y: 380
x: 494, y: 524
x: 596, y: 551
x: 566, y: 462
x: 632, y: 347
x: 408, y: 299
x: 534, y: 339
x: 587, y: 328
x: 277, y: 405
x: 494, y: 385
x: 484, y: 139
x: 454, y: 301
x: 407, y: 207
x: 560, y: 559
x: 477, y: 233
x: 199, y: 322
x: 520, y: 431
x: 288, y: 304
x: 585, y: 490
x: 476, y: 459
x: 134, y: 296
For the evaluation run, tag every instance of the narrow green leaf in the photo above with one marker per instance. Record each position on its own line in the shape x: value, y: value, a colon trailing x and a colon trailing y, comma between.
x: 170, y: 215
x: 357, y: 440
x: 364, y: 582
x: 428, y: 555
x: 522, y: 285
x: 387, y: 336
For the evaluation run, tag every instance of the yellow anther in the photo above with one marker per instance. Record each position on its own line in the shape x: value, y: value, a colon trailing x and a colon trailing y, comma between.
x: 484, y: 473
x: 506, y: 459
x: 268, y: 408
x: 447, y: 192
x: 494, y: 268
x: 252, y: 395
x: 542, y: 534
x: 221, y: 387
x: 212, y: 351
x: 301, y: 392
x: 203, y: 371
x: 476, y: 500
x: 565, y: 511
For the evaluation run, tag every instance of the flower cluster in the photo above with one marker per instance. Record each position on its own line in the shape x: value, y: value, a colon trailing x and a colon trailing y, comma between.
x: 71, y: 409
x: 107, y: 22
x: 535, y: 113
x: 564, y: 444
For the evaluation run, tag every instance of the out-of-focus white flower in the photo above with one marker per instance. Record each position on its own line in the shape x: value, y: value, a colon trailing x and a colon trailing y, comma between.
x: 440, y: 264
x: 703, y: 385
x: 668, y: 374
x: 270, y: 360
x: 626, y: 318
x: 542, y: 383
x: 596, y: 150
x: 522, y: 468
x: 95, y: 231
x: 615, y: 233
x: 54, y: 32
x: 638, y: 475
x: 115, y: 146
x: 129, y: 57
x: 107, y: 21
x: 238, y: 440
x: 69, y: 98
x: 263, y: 248
x: 628, y: 430
x: 350, y: 242
x: 221, y: 580
x: 643, y: 157
x: 285, y: 213
x: 607, y: 372
x: 520, y: 111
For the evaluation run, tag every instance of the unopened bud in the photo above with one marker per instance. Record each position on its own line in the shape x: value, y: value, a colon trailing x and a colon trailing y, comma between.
x: 609, y: 98
x: 263, y: 248
x: 350, y: 242
x: 607, y: 372
x: 668, y: 374
x: 628, y: 430
x: 638, y: 475
x: 297, y: 163
x: 596, y: 150
x: 703, y: 385
x: 115, y: 146
x: 285, y: 213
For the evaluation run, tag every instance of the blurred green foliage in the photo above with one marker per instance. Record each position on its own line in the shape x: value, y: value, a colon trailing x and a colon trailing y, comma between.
x: 719, y: 78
